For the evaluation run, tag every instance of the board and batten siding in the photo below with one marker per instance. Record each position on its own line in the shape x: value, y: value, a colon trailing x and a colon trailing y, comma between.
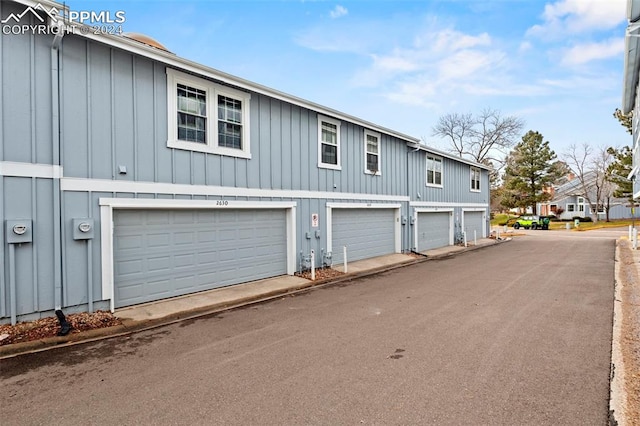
x: 26, y: 137
x: 456, y: 182
x: 114, y: 113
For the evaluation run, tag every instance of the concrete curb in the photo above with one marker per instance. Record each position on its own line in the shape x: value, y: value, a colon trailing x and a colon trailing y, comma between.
x: 129, y: 327
x: 617, y: 391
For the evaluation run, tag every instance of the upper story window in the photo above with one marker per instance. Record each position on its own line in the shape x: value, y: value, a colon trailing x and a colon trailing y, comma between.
x: 207, y: 117
x: 371, y: 152
x: 475, y: 179
x: 328, y: 143
x: 434, y: 171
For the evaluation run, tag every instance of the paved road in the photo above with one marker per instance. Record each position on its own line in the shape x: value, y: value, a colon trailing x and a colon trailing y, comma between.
x: 514, y: 334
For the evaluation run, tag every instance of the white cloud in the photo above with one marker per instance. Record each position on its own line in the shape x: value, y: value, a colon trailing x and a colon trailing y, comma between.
x: 583, y: 53
x: 525, y: 46
x: 338, y: 12
x: 579, y: 16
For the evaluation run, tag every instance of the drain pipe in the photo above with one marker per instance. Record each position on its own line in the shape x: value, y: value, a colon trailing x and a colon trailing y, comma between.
x: 90, y: 275
x: 12, y: 282
x: 55, y: 132
x: 65, y: 327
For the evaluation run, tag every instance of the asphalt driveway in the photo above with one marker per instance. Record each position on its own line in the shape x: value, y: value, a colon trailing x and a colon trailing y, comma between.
x: 517, y: 333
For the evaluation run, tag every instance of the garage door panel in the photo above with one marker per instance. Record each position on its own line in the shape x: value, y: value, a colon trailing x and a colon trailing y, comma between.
x: 365, y: 232
x: 473, y: 222
x: 159, y: 254
x: 434, y: 230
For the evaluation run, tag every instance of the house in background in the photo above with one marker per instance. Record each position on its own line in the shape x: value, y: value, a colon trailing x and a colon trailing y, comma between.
x: 129, y: 175
x: 569, y: 200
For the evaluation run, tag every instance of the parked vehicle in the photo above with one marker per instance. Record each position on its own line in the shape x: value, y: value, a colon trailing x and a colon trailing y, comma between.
x: 532, y: 221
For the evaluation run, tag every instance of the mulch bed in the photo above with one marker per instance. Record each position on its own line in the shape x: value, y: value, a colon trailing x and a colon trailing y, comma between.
x: 321, y: 274
x: 49, y: 327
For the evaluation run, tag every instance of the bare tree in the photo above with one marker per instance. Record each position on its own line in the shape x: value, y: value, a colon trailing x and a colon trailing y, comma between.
x: 458, y: 128
x: 485, y: 138
x: 591, y: 168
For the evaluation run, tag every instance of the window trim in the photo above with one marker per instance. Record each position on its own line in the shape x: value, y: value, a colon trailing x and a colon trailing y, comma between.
x: 212, y: 90
x: 573, y: 207
x: 336, y: 123
x: 435, y: 158
x: 472, y: 171
x: 366, y: 152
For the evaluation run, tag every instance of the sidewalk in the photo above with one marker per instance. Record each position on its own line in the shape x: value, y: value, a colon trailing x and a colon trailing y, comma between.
x: 156, y: 314
x: 624, y: 399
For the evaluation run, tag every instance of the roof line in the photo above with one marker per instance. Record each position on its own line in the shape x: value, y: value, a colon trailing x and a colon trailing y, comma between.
x: 173, y: 60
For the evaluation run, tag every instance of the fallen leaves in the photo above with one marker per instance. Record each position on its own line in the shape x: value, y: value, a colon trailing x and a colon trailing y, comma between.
x: 321, y: 274
x: 49, y: 327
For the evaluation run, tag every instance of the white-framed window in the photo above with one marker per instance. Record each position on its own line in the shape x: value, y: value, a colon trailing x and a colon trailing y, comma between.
x: 207, y: 117
x: 571, y: 208
x: 580, y: 204
x: 371, y: 152
x: 475, y: 179
x: 434, y: 171
x: 328, y: 143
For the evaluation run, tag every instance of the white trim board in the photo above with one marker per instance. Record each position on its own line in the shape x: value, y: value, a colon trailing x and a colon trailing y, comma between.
x: 107, y: 205
x: 36, y: 170
x: 396, y: 218
x: 113, y: 186
x: 445, y: 204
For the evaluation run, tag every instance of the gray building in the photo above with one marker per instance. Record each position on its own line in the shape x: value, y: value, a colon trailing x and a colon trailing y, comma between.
x: 129, y: 174
x: 631, y: 74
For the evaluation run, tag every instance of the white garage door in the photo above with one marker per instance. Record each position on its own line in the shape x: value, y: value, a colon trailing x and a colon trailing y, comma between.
x: 473, y: 221
x: 165, y: 253
x: 434, y: 230
x: 365, y: 232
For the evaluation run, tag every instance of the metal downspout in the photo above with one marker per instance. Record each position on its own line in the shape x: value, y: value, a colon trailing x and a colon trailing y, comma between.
x: 3, y: 289
x: 55, y: 136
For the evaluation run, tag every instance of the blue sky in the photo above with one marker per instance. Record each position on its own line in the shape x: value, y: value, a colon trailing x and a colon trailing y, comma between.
x: 557, y: 64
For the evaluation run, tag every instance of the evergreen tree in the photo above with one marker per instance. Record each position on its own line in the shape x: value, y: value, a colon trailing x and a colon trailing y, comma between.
x: 626, y: 120
x: 529, y: 170
x: 618, y: 171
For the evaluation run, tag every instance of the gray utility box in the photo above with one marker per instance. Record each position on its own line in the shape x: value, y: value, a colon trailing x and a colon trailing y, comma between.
x: 83, y: 229
x: 19, y: 231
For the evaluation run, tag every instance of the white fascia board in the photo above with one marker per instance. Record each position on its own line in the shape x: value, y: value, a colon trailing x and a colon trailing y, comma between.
x: 421, y: 147
x: 633, y: 172
x: 173, y: 60
x: 107, y: 185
